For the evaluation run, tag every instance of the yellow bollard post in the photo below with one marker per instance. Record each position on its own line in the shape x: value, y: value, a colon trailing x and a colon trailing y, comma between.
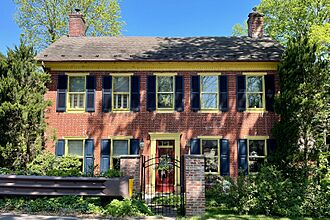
x: 130, y: 187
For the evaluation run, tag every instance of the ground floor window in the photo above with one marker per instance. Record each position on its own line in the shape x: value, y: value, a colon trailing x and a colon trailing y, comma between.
x: 210, y: 149
x: 75, y: 148
x: 119, y: 147
x: 256, y: 154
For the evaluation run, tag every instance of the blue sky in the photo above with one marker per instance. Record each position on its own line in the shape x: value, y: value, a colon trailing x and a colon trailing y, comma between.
x: 156, y: 18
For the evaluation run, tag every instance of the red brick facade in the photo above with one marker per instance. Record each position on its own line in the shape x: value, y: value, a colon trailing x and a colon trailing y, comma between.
x: 231, y: 125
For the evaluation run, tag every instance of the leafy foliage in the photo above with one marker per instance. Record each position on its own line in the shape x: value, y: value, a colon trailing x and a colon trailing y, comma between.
x: 47, y: 164
x: 43, y: 22
x: 75, y: 205
x: 240, y: 29
x: 271, y: 192
x: 111, y: 173
x: 287, y: 19
x: 304, y: 105
x: 127, y: 208
x: 22, y: 106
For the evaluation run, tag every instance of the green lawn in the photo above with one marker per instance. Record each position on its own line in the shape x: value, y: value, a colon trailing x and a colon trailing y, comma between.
x: 214, y: 213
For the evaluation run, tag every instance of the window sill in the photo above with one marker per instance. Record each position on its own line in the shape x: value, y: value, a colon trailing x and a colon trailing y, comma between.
x: 165, y: 111
x: 257, y: 110
x: 121, y: 111
x: 209, y: 111
x: 75, y: 111
x: 212, y: 173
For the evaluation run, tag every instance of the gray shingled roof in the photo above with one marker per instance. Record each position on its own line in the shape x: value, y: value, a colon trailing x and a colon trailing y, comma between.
x: 162, y: 49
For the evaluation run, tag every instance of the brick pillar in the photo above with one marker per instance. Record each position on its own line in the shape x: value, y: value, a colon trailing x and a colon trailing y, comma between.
x: 194, y: 184
x: 130, y: 166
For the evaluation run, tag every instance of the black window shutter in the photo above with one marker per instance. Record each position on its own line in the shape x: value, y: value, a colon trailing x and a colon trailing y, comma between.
x: 242, y: 156
x: 223, y: 92
x: 134, y: 147
x: 195, y: 103
x: 195, y: 146
x: 151, y: 93
x: 240, y: 94
x: 90, y: 93
x: 106, y: 93
x: 135, y: 93
x: 179, y: 93
x: 89, y: 157
x: 59, y: 147
x: 105, y: 155
x: 270, y: 92
x: 62, y: 84
x: 224, y: 157
x: 271, y: 147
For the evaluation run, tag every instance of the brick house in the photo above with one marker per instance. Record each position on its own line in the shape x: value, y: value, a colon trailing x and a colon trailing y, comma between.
x: 153, y: 96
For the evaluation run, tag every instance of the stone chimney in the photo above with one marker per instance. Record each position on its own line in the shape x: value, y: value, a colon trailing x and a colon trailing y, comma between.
x: 76, y: 24
x: 255, y: 24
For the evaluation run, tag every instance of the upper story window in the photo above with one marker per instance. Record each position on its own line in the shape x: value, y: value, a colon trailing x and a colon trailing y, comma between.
x: 209, y: 92
x: 255, y: 94
x: 165, y: 92
x: 76, y: 92
x: 256, y: 154
x: 121, y: 93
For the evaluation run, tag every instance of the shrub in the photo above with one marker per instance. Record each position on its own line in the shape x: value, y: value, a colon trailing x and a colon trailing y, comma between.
x: 47, y: 164
x: 272, y: 192
x: 111, y: 173
x: 43, y: 164
x: 276, y: 194
x: 66, y: 166
x: 62, y: 204
x: 127, y: 208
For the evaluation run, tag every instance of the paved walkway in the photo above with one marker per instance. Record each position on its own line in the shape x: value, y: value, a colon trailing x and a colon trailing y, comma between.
x: 11, y: 216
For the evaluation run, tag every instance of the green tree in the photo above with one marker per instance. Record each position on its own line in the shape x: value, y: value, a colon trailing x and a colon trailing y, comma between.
x: 22, y: 106
x: 286, y: 19
x: 240, y: 30
x: 304, y: 104
x: 44, y: 21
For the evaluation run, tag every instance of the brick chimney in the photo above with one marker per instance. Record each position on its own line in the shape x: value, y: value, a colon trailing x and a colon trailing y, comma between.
x: 76, y: 24
x: 255, y: 24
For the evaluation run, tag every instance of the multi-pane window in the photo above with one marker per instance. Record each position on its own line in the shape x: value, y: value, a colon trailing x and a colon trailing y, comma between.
x: 121, y: 92
x: 210, y: 149
x: 209, y: 92
x: 76, y: 148
x: 165, y: 92
x: 119, y: 147
x: 256, y: 154
x: 77, y: 92
x: 255, y: 92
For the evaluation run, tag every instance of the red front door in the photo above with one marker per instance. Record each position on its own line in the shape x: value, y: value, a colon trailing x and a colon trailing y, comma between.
x: 165, y: 171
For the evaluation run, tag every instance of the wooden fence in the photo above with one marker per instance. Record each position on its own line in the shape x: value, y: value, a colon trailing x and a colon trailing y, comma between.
x: 59, y: 186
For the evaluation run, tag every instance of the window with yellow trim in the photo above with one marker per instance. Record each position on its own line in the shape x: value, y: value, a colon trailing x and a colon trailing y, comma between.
x: 165, y: 92
x: 256, y: 154
x: 119, y: 147
x: 75, y: 148
x: 121, y: 93
x: 209, y: 92
x: 76, y: 92
x: 210, y: 149
x: 255, y: 93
